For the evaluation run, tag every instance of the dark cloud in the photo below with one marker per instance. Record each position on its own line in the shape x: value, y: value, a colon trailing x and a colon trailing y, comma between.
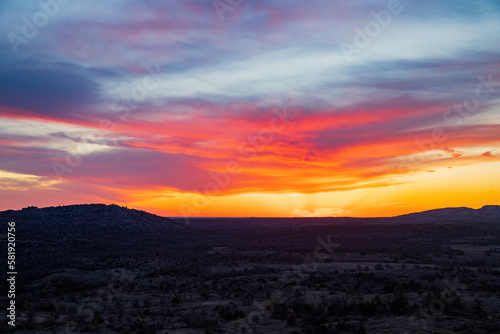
x: 28, y: 159
x: 47, y: 91
x: 454, y: 153
x: 134, y: 169
x: 119, y: 168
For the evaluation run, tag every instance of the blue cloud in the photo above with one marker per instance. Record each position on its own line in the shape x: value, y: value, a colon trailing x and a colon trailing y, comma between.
x: 47, y: 91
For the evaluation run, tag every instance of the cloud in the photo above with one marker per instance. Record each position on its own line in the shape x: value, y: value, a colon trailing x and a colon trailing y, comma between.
x: 454, y: 153
x: 320, y: 212
x: 389, y: 205
x: 487, y: 154
x: 57, y: 93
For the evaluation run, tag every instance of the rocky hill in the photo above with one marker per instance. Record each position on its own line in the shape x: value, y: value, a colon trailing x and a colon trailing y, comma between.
x: 488, y: 213
x: 90, y: 217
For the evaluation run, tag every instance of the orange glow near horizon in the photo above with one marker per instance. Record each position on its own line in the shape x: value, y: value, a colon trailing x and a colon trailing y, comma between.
x: 440, y: 191
x: 479, y: 186
x: 287, y: 166
x: 166, y: 108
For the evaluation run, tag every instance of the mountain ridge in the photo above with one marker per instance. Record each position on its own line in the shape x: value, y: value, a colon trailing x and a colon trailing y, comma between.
x: 92, y: 216
x: 102, y: 217
x: 456, y: 213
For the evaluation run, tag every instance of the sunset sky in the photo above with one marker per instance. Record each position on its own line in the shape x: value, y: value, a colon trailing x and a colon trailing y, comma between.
x: 250, y: 107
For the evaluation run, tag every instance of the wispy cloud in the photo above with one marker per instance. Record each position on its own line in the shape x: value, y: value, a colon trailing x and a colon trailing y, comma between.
x: 217, y: 83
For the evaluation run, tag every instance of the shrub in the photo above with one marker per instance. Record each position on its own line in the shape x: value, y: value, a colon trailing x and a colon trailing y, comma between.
x: 399, y: 304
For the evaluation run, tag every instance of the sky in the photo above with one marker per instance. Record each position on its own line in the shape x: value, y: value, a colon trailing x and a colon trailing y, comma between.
x: 194, y: 108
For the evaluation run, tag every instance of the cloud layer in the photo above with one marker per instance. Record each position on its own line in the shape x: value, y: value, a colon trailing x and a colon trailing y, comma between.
x: 139, y: 100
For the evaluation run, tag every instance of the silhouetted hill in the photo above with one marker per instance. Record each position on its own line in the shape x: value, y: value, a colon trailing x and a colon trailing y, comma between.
x: 90, y: 217
x: 488, y: 213
x: 102, y: 219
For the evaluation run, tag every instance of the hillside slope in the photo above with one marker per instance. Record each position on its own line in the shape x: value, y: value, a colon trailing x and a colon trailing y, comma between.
x: 488, y: 213
x: 90, y: 217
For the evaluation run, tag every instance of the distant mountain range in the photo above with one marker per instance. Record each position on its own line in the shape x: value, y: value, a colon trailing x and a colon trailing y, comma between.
x: 91, y: 217
x: 101, y: 217
x: 489, y: 213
